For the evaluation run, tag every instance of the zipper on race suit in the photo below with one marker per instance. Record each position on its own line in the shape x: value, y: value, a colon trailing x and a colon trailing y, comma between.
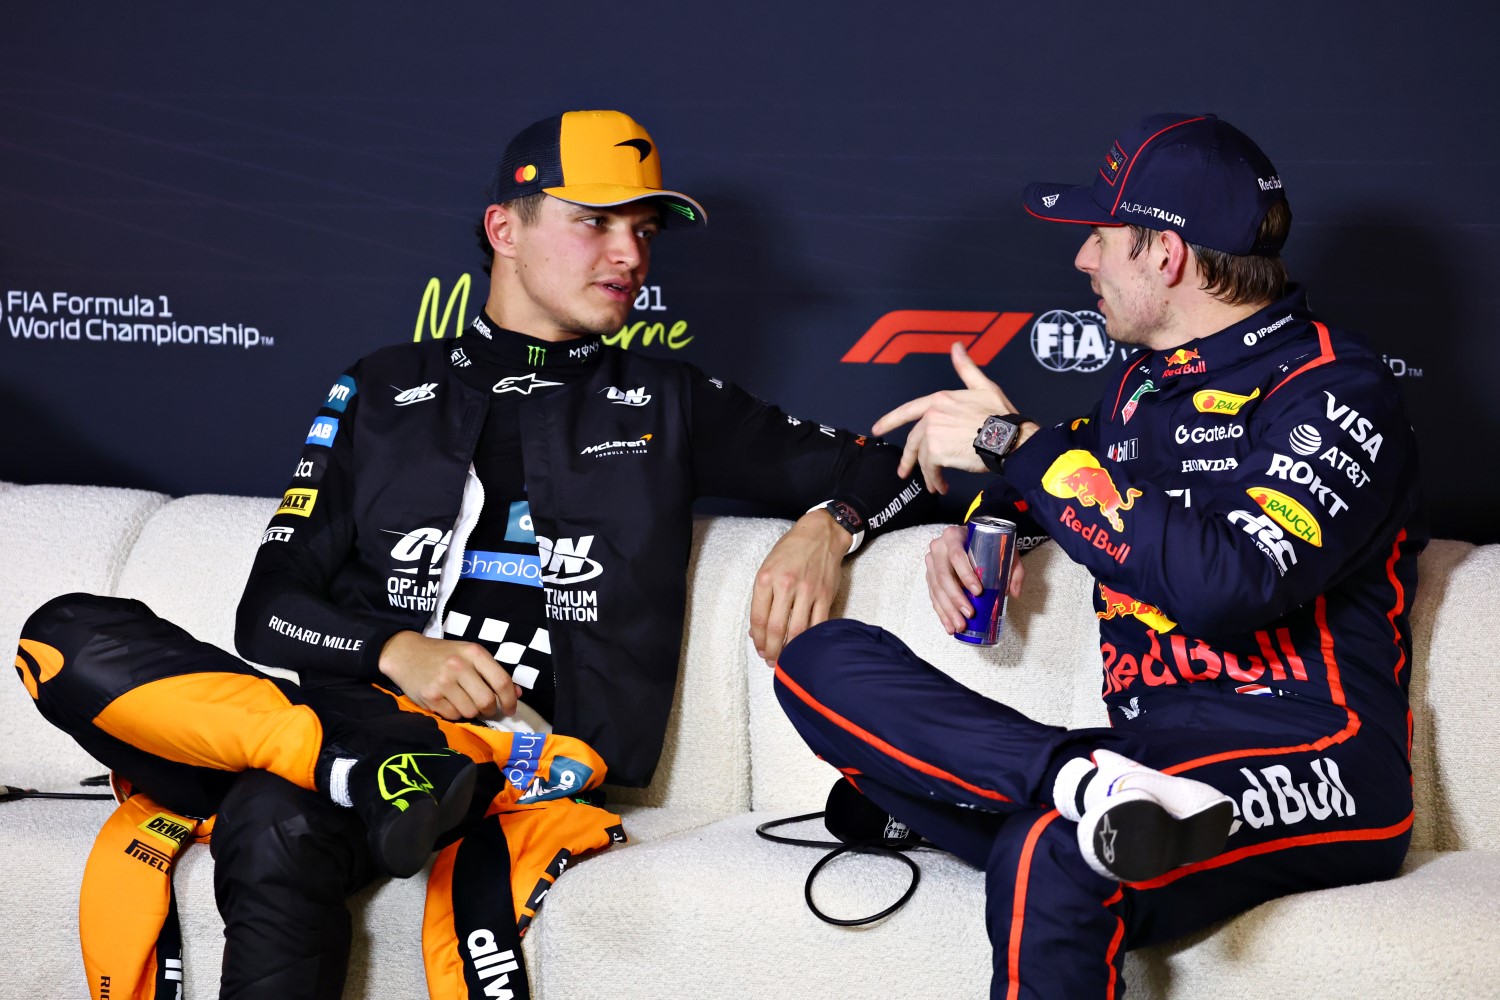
x: 448, y: 576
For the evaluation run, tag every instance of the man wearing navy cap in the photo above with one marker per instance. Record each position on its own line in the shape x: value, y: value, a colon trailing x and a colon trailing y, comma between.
x: 1245, y: 495
x: 489, y: 530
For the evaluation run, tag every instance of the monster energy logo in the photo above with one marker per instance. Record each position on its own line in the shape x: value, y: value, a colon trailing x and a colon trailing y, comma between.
x: 400, y: 777
x: 536, y: 356
x: 682, y: 210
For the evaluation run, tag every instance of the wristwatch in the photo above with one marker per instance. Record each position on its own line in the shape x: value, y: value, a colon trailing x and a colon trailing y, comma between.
x: 998, y: 437
x: 847, y: 517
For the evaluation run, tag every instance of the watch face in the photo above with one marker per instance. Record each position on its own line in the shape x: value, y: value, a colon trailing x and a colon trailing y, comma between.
x: 996, y: 434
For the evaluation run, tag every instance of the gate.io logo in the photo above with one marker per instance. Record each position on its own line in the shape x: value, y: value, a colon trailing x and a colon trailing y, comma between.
x: 1065, y: 341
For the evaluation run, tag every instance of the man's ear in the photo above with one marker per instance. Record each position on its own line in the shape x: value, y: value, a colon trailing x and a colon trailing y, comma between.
x: 500, y: 225
x: 1172, y: 259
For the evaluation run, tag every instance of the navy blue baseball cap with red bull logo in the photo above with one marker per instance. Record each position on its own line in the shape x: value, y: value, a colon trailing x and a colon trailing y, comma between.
x: 1196, y: 175
x: 597, y: 158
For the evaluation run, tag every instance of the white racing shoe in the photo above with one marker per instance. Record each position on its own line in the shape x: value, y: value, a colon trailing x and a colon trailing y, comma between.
x: 1135, y: 823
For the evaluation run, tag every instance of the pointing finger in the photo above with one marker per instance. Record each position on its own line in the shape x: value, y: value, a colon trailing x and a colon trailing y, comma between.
x: 967, y: 370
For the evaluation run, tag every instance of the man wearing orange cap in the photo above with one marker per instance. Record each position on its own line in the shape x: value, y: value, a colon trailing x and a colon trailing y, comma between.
x: 493, y: 530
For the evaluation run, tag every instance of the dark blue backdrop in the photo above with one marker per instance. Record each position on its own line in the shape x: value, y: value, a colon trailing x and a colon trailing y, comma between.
x: 308, y: 171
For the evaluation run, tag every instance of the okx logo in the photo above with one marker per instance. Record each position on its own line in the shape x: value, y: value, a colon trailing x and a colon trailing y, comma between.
x: 921, y: 331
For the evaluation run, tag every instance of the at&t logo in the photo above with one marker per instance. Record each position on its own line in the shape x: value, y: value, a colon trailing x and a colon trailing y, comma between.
x: 1065, y: 341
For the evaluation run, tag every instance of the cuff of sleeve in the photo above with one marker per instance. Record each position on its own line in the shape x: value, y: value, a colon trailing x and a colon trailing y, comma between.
x: 1024, y: 466
x: 858, y: 536
x: 370, y: 660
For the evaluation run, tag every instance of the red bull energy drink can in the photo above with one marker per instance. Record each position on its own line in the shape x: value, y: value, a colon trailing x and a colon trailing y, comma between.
x: 992, y: 547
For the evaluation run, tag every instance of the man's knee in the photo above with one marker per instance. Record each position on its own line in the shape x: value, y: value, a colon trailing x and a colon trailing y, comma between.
x: 832, y: 648
x: 273, y: 840
x: 285, y: 861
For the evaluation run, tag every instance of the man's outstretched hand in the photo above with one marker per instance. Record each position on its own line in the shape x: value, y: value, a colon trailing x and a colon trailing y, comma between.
x: 947, y: 423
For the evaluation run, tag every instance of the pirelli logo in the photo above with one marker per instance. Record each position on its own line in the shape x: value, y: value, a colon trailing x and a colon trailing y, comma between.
x: 149, y: 855
x: 299, y: 502
x: 167, y: 827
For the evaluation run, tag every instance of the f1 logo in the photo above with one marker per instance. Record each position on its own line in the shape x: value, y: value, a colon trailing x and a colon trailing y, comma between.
x: 919, y: 331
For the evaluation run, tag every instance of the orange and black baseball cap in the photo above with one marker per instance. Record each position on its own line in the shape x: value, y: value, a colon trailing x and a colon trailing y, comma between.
x: 598, y: 158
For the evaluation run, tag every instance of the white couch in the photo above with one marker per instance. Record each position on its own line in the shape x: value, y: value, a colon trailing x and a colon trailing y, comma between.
x: 697, y: 906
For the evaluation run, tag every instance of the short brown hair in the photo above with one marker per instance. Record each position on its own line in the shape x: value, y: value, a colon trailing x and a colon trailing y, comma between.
x: 1236, y: 279
x: 528, y: 209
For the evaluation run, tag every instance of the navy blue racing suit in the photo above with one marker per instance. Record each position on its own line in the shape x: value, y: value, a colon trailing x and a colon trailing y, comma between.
x: 1248, y: 505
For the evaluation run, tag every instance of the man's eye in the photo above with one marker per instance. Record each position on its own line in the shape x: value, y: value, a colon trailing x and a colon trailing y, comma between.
x: 646, y: 234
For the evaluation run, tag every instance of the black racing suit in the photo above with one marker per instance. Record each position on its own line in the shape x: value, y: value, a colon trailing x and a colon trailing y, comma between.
x: 370, y: 540
x: 1249, y: 507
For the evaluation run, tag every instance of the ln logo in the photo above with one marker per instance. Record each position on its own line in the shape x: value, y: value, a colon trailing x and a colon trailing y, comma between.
x: 916, y: 331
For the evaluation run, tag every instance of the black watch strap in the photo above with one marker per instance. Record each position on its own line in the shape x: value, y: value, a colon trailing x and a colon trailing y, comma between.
x: 997, y: 438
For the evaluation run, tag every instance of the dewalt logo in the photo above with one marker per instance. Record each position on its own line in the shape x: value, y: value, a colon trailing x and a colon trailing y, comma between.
x: 427, y: 312
x: 167, y: 827
x: 299, y: 502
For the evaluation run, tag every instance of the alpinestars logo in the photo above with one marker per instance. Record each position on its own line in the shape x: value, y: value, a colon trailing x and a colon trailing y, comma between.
x: 420, y: 394
x: 522, y: 384
x: 627, y: 397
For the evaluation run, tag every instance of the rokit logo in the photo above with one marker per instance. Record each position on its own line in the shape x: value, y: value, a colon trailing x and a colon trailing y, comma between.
x: 933, y: 331
x: 1063, y: 341
x: 1301, y: 473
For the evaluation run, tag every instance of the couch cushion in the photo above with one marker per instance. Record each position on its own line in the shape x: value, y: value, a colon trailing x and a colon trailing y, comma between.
x: 47, y: 842
x: 722, y: 909
x: 1455, y: 687
x: 56, y: 540
x: 191, y: 560
x: 717, y: 913
x: 1428, y: 933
